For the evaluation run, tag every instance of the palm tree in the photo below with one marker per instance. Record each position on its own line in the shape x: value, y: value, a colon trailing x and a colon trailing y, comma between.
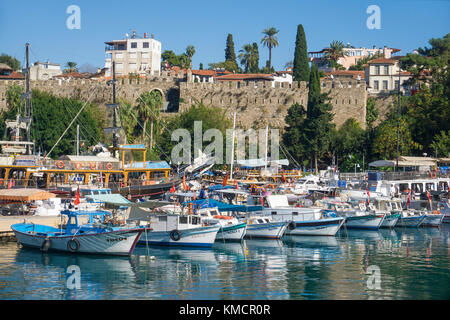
x: 190, y: 51
x: 270, y: 40
x: 248, y: 57
x: 71, y: 67
x: 335, y: 51
x: 149, y: 106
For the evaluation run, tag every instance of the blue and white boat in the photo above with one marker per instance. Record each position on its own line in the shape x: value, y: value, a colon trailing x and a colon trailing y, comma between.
x: 356, y: 217
x: 95, y: 237
x: 264, y: 227
x: 410, y: 219
x: 173, y: 229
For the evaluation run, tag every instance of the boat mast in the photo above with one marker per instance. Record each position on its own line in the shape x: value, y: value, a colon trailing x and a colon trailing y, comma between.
x: 232, y: 147
x: 27, y: 96
x: 115, y: 129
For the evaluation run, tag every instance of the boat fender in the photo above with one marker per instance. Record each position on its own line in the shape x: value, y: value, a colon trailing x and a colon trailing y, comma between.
x: 175, y: 235
x: 73, y: 245
x: 291, y: 225
x: 46, y: 245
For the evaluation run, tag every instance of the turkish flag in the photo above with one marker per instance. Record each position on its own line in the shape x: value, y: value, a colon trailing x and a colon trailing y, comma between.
x: 172, y: 190
x: 77, y: 197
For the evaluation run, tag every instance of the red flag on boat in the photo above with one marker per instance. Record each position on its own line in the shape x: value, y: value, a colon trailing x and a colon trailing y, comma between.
x: 172, y: 190
x: 224, y: 182
x: 409, y: 199
x: 284, y: 178
x: 368, y: 194
x: 237, y: 185
x: 185, y: 186
x: 77, y: 197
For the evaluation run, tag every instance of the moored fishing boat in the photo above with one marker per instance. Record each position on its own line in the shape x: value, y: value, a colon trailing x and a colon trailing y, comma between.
x: 93, y: 238
x: 172, y: 229
x: 264, y: 227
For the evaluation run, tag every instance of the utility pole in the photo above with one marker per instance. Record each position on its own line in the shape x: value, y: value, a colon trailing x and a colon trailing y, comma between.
x: 78, y: 139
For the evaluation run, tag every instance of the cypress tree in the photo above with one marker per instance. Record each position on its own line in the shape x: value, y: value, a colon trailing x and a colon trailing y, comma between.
x: 254, y: 68
x: 319, y: 128
x: 230, y: 55
x: 301, y: 63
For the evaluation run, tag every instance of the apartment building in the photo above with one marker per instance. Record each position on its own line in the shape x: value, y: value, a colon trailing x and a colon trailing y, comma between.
x: 44, y: 70
x: 384, y: 75
x: 351, y: 56
x: 141, y: 55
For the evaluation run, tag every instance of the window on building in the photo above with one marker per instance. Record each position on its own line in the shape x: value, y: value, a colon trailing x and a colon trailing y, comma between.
x: 133, y: 55
x: 119, y: 66
x: 375, y: 85
x: 385, y: 84
x: 132, y: 66
x: 396, y: 84
x: 386, y: 69
x: 377, y: 70
x: 145, y: 45
x: 133, y: 45
x: 145, y: 55
x: 119, y: 56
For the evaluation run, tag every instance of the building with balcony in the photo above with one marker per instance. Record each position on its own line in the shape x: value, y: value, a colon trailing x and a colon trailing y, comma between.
x: 135, y: 55
x: 351, y: 56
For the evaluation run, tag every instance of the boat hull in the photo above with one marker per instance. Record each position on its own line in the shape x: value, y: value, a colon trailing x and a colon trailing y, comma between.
x: 390, y: 220
x: 410, y: 222
x: 235, y: 232
x: 322, y: 227
x: 371, y: 222
x: 119, y: 242
x: 432, y: 220
x: 270, y: 230
x: 195, y: 237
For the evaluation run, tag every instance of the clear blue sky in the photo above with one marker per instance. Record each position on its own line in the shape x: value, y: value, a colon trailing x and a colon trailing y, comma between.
x: 405, y: 24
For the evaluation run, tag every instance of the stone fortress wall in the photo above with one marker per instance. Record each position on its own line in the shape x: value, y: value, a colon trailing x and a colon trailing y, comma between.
x: 256, y: 103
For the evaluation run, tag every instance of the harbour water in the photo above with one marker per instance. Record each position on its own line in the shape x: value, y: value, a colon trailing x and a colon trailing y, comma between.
x: 360, y: 265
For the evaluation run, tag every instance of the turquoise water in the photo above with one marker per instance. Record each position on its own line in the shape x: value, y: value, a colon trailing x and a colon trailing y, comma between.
x: 386, y: 264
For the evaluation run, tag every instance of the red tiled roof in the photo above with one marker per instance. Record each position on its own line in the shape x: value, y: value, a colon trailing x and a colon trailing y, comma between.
x: 346, y: 73
x: 71, y: 75
x: 382, y: 60
x: 12, y: 76
x: 244, y: 76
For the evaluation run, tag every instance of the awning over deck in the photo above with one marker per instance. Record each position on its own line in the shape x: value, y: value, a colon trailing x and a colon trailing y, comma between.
x: 25, y: 195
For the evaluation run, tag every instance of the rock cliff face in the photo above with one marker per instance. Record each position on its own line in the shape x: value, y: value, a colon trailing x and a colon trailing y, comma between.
x: 256, y: 103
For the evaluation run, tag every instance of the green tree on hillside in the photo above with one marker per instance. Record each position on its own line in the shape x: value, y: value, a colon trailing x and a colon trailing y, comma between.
x: 301, y: 62
x: 10, y: 61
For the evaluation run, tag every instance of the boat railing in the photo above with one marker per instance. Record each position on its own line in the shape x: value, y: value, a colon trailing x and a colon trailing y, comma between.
x: 81, y: 165
x: 18, y: 183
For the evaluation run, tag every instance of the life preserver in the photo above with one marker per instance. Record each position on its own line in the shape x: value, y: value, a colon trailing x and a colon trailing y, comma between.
x: 60, y: 164
x: 175, y: 235
x: 92, y: 165
x: 46, y: 244
x: 73, y: 245
x: 78, y: 165
x: 433, y: 174
x: 109, y: 166
x: 291, y: 225
x: 436, y: 212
